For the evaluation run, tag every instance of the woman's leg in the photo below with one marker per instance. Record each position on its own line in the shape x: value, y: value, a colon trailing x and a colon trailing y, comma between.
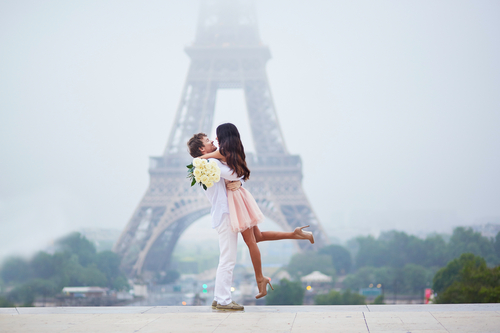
x: 249, y: 238
x: 261, y: 236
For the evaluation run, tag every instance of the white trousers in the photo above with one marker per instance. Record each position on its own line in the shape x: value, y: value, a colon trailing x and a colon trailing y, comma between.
x: 228, y: 241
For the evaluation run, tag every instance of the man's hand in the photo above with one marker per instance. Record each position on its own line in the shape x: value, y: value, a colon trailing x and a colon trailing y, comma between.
x: 234, y: 185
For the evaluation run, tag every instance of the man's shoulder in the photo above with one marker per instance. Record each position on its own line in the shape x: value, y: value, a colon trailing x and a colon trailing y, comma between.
x: 219, y: 163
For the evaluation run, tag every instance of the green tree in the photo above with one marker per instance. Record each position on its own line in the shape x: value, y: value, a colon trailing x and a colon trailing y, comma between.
x: 434, y: 252
x: 286, y: 293
x: 496, y: 245
x: 385, y: 276
x: 77, y: 244
x: 16, y: 270
x: 5, y: 303
x: 361, y: 279
x: 341, y: 257
x: 26, y: 293
x: 415, y: 278
x: 466, y: 240
x: 43, y: 265
x: 337, y: 298
x: 305, y: 263
x: 371, y: 252
x: 446, y: 276
x: 77, y: 275
x: 474, y: 283
x: 379, y: 300
x: 120, y: 283
x: 402, y: 248
x: 109, y: 263
x: 76, y: 263
x: 370, y: 275
x: 397, y: 249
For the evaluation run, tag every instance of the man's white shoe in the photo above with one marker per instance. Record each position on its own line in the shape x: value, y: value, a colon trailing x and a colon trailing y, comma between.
x: 214, y: 304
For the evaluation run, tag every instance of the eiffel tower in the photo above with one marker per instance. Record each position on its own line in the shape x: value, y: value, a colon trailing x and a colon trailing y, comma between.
x: 227, y: 54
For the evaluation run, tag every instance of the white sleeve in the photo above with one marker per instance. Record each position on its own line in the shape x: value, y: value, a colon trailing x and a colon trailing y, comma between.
x: 225, y: 171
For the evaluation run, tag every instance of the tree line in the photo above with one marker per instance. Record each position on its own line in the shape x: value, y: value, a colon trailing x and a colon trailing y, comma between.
x: 405, y: 264
x: 74, y: 263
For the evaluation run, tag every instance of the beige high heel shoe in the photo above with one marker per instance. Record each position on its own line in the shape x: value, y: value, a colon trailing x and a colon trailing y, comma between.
x: 262, y: 285
x: 304, y: 234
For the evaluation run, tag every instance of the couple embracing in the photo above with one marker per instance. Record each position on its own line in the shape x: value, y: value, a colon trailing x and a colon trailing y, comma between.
x: 235, y: 210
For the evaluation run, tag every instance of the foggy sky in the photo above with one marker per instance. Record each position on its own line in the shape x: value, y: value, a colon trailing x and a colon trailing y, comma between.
x: 393, y: 107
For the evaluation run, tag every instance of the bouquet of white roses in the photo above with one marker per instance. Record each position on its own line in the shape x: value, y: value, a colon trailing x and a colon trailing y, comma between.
x: 203, y: 172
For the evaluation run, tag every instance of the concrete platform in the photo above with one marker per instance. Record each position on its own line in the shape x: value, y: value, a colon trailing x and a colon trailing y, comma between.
x: 367, y: 318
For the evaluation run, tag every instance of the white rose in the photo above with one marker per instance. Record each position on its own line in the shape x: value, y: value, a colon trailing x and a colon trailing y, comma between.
x: 209, y: 184
x: 197, y: 172
x: 204, y: 179
x: 197, y: 162
x: 216, y: 178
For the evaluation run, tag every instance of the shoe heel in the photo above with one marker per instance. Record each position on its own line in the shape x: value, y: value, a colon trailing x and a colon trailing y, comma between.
x: 270, y: 285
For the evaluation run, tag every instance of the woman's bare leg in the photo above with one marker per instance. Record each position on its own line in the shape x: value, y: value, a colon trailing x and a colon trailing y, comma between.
x: 261, y: 236
x: 249, y: 238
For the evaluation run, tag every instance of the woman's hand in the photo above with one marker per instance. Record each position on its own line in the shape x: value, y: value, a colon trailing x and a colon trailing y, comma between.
x: 234, y: 185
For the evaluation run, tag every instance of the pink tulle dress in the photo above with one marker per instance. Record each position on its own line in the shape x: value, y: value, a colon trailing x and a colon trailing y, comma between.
x: 243, y: 210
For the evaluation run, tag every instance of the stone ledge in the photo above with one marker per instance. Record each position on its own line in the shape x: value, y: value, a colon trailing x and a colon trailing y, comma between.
x: 446, y: 318
x: 268, y: 309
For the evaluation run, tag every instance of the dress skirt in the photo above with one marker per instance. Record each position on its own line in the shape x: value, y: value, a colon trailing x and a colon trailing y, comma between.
x: 243, y: 210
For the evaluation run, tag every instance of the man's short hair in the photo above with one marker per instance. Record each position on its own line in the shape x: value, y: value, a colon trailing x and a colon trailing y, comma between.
x: 195, y: 144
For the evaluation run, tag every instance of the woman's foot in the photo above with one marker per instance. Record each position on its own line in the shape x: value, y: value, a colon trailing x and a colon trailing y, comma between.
x: 304, y: 234
x: 262, y: 285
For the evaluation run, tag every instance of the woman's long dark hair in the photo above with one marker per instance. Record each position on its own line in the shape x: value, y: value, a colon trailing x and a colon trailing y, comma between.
x: 231, y: 148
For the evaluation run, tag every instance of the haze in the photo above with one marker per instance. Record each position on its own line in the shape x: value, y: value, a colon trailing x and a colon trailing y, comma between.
x: 393, y: 107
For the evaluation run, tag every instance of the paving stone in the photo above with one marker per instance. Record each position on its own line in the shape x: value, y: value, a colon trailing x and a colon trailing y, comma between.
x: 462, y: 314
x: 402, y: 319
x: 471, y: 324
x: 8, y: 311
x: 328, y: 322
x: 413, y: 331
x: 86, y: 309
x: 257, y: 322
x: 185, y: 322
x: 432, y: 307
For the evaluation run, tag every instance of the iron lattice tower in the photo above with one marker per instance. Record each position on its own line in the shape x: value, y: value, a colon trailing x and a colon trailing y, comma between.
x: 227, y: 54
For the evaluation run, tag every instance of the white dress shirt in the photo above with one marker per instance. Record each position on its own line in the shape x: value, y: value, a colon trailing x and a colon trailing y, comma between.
x: 217, y: 194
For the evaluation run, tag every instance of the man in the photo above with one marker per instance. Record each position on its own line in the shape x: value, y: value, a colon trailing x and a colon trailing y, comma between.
x: 199, y: 145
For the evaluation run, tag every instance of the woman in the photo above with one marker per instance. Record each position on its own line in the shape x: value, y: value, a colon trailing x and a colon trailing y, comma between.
x: 243, y: 210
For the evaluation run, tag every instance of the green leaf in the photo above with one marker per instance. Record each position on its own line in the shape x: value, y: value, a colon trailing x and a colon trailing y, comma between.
x: 193, y: 182
x: 189, y: 166
x: 204, y: 187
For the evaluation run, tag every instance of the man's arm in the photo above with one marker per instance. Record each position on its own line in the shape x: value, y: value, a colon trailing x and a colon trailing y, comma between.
x: 216, y: 154
x: 227, y: 173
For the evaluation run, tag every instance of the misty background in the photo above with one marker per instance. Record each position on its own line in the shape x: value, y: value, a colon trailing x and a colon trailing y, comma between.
x: 393, y: 107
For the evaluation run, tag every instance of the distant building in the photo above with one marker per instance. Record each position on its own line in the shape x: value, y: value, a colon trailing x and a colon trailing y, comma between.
x: 85, y: 291
x: 316, y: 277
x: 315, y: 283
x: 89, y: 296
